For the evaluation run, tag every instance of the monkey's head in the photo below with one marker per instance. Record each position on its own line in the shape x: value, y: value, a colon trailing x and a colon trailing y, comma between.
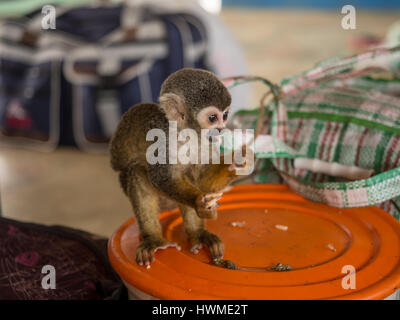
x: 196, y: 99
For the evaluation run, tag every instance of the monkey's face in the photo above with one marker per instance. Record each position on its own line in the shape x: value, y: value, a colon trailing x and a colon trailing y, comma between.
x: 214, y: 119
x: 211, y: 117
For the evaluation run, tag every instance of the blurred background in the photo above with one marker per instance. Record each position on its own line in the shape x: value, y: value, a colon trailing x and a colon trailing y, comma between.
x: 73, y: 186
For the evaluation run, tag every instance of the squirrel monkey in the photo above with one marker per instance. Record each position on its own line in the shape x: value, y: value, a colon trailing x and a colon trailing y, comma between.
x: 195, y: 99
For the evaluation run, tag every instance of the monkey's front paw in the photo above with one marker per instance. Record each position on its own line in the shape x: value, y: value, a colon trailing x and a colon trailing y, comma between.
x: 146, y: 249
x: 238, y: 165
x: 212, y: 241
x: 206, y: 205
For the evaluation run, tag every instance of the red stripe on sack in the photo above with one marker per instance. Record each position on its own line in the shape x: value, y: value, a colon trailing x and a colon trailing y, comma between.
x: 389, y: 208
x: 324, y: 138
x: 360, y: 143
x: 390, y: 152
x: 296, y: 135
x: 323, y: 143
x: 330, y: 143
x: 286, y: 164
x: 333, y: 137
x: 395, y: 163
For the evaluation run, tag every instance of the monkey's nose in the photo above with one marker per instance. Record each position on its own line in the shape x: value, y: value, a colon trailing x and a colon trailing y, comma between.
x: 215, y: 131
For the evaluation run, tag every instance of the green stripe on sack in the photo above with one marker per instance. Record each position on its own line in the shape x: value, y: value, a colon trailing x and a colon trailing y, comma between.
x: 381, y: 80
x: 356, y: 96
x: 381, y: 150
x: 367, y: 183
x: 340, y: 142
x: 343, y: 119
x: 277, y: 155
x: 329, y: 117
x: 313, y: 145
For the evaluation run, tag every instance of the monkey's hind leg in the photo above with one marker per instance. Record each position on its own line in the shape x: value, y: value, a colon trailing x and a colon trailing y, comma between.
x: 199, y: 236
x: 144, y: 200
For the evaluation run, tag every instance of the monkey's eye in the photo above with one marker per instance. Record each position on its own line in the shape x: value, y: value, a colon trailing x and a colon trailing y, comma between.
x: 213, y: 118
x: 225, y: 116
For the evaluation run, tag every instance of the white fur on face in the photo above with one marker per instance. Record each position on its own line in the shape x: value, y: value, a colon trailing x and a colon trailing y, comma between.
x: 205, y: 116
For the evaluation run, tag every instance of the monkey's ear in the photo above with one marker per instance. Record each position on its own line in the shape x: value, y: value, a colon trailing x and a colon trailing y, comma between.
x: 174, y: 107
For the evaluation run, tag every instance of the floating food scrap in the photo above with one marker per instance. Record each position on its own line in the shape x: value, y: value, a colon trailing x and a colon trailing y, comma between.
x: 148, y: 266
x: 238, y: 223
x: 331, y: 247
x: 281, y: 227
x: 280, y: 267
x: 266, y: 211
x: 224, y: 264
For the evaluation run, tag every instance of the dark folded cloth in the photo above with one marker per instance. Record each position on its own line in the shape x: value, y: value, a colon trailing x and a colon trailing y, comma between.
x: 81, y: 266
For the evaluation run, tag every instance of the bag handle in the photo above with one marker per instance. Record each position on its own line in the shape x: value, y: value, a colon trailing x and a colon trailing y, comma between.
x: 131, y: 18
x: 376, y: 60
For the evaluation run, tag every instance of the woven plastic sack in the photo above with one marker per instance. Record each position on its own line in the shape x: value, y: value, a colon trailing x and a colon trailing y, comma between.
x: 325, y: 114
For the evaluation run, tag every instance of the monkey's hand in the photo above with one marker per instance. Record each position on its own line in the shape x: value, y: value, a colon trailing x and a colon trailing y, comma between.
x: 244, y: 165
x: 212, y: 241
x: 146, y: 249
x: 206, y: 205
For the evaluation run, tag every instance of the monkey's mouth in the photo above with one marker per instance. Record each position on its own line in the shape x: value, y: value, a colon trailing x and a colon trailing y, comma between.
x: 214, y: 137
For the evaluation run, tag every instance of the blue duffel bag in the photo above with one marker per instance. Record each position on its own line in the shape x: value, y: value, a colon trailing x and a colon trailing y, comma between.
x: 71, y: 85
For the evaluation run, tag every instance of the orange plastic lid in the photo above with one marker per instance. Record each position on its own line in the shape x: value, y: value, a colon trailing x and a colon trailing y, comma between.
x: 318, y: 242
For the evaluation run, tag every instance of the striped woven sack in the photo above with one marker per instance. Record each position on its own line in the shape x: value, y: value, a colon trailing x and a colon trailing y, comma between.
x: 325, y: 114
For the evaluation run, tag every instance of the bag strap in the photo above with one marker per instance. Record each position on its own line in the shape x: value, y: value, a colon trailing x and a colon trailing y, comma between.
x: 377, y: 60
x: 30, y: 31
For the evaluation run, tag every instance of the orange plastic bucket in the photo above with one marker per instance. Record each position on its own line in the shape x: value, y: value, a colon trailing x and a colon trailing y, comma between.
x: 319, y: 243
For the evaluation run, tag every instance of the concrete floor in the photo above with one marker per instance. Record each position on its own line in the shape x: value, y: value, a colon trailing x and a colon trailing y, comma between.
x: 80, y: 190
